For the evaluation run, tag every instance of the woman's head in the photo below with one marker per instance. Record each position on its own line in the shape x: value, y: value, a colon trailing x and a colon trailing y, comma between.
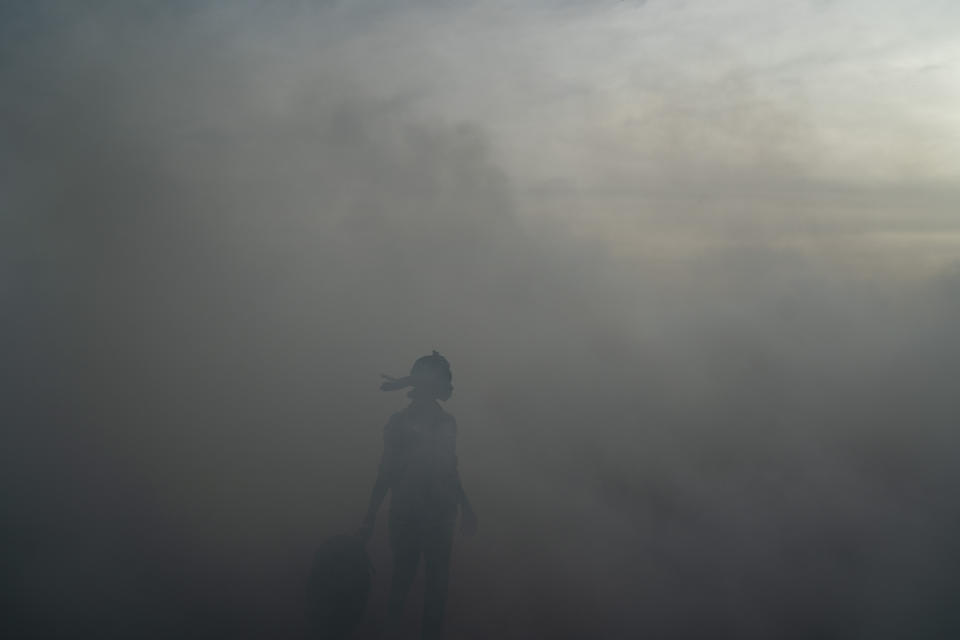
x: 430, y: 378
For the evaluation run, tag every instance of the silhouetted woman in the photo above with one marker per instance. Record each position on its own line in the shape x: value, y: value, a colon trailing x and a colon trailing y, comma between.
x: 419, y: 465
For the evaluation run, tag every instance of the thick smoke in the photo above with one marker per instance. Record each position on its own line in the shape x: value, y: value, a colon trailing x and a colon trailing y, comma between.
x: 218, y: 231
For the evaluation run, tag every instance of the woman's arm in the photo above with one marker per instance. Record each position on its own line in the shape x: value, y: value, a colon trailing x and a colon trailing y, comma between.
x: 468, y: 522
x: 382, y: 484
x: 462, y: 500
x: 380, y: 488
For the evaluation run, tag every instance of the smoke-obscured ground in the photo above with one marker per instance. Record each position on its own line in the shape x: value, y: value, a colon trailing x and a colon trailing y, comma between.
x: 705, y: 385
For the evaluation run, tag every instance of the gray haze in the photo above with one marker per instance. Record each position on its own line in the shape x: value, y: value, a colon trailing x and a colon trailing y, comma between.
x: 697, y: 272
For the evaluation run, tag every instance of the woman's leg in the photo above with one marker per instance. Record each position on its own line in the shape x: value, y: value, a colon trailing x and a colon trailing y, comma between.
x: 437, y: 544
x: 406, y: 547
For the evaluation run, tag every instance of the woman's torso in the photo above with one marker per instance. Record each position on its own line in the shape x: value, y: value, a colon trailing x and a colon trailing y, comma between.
x: 422, y: 448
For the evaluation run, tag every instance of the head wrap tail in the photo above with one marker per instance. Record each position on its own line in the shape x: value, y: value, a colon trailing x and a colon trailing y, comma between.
x: 392, y: 384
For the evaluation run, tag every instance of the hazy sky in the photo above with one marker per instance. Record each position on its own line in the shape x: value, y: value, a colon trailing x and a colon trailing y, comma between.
x: 696, y: 266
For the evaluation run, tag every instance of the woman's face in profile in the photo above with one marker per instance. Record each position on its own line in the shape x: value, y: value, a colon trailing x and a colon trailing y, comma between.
x: 445, y: 392
x: 439, y: 389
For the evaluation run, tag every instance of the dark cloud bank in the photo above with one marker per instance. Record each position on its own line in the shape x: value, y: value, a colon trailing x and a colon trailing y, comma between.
x: 202, y: 281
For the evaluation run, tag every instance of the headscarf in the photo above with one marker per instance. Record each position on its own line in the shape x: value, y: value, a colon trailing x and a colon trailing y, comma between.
x: 426, y: 370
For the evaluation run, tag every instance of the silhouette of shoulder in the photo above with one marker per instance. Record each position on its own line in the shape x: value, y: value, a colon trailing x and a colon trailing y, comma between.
x: 448, y: 421
x: 445, y: 418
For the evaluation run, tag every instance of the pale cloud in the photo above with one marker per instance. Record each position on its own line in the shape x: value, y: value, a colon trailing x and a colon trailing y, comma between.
x: 694, y: 264
x: 740, y: 114
x: 843, y: 89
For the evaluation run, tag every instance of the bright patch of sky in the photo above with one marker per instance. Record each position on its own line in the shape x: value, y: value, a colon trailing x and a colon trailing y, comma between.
x: 600, y: 93
x: 734, y: 118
